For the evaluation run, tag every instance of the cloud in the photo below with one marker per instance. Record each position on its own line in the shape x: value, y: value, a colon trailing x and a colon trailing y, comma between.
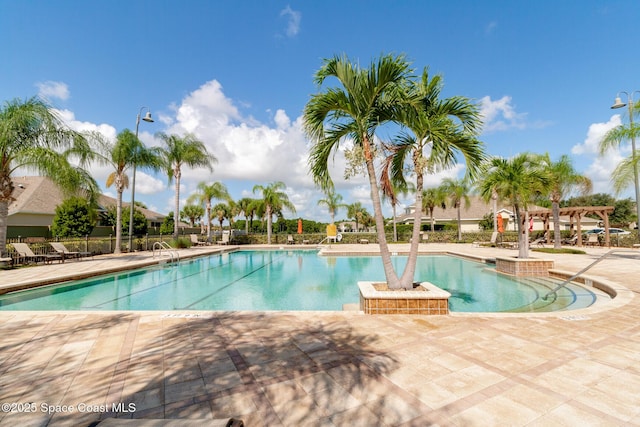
x: 601, y: 167
x: 595, y: 134
x: 293, y: 25
x: 500, y: 114
x: 49, y: 90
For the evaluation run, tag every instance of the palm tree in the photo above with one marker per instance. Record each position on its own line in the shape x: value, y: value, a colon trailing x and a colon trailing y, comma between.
x: 353, y: 111
x: 246, y: 207
x: 516, y: 180
x: 205, y: 193
x: 458, y: 192
x: 563, y: 178
x: 435, y: 131
x: 122, y: 155
x: 332, y: 202
x: 275, y: 200
x: 32, y: 136
x: 178, y: 152
x: 390, y: 191
x: 431, y: 199
x: 221, y: 212
x: 356, y: 211
x: 192, y: 213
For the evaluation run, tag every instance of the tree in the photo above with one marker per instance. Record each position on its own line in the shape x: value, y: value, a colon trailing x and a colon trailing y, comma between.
x: 364, y: 99
x: 179, y: 152
x: 122, y: 155
x: 221, y: 212
x: 32, y: 136
x: 246, y: 207
x: 75, y: 217
x: 457, y: 190
x: 356, y: 212
x: 275, y: 200
x: 516, y: 180
x: 140, y: 224
x: 205, y: 193
x: 562, y: 179
x: 192, y: 213
x: 332, y: 202
x: 436, y: 131
x: 431, y: 199
x: 168, y: 224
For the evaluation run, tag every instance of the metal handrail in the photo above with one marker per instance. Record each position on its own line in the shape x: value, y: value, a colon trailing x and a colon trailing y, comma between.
x: 169, y: 249
x: 570, y: 279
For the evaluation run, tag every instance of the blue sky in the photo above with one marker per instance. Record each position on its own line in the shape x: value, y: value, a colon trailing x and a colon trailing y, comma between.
x: 238, y: 74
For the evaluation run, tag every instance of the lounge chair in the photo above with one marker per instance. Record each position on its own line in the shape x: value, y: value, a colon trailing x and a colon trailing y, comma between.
x: 290, y: 240
x: 195, y: 241
x: 24, y: 251
x: 66, y: 253
x: 492, y: 242
x: 224, y: 240
x: 540, y: 241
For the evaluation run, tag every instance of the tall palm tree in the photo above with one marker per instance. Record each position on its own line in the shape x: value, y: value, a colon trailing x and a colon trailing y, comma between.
x: 431, y: 199
x: 204, y: 194
x: 275, y: 200
x: 563, y: 178
x: 221, y: 212
x: 332, y: 202
x: 516, y: 180
x: 121, y: 155
x: 178, y: 152
x: 352, y: 111
x: 435, y: 131
x: 457, y: 190
x: 32, y: 136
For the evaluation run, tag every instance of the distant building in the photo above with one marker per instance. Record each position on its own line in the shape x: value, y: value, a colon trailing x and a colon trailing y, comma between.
x: 36, y: 199
x: 470, y: 217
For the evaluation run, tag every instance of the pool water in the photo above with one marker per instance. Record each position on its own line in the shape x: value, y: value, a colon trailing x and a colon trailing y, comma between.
x: 291, y: 280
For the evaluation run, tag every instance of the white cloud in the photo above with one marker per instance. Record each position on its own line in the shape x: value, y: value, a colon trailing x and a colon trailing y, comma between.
x: 147, y: 184
x: 49, y: 90
x: 594, y: 135
x: 500, y: 114
x: 294, y: 18
x: 601, y: 167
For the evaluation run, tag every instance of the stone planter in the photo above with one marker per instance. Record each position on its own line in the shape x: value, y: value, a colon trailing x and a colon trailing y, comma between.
x: 524, y: 267
x: 430, y: 301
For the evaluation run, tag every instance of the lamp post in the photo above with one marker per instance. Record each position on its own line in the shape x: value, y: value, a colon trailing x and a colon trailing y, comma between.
x: 146, y: 118
x: 619, y: 104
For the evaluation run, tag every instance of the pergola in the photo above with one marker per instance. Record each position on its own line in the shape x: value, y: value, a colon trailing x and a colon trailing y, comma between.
x: 575, y: 214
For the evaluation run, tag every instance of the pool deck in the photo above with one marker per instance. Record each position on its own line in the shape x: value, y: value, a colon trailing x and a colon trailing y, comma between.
x: 573, y: 368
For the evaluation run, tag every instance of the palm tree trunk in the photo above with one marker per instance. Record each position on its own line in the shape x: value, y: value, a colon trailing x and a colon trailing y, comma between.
x: 393, y: 282
x: 4, y: 215
x: 118, y: 222
x: 555, y: 208
x: 269, y: 224
x: 209, y: 221
x: 176, y: 207
x: 523, y: 231
x: 433, y: 222
x: 459, y: 223
x: 395, y: 229
x: 406, y: 281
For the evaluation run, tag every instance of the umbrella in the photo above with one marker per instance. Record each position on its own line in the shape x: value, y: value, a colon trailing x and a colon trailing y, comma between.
x: 299, y: 226
x: 530, y: 223
x: 500, y: 224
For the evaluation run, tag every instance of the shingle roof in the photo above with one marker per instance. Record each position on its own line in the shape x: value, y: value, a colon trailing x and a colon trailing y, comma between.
x: 39, y: 195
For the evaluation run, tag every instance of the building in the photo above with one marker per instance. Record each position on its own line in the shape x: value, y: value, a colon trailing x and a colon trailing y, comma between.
x: 35, y: 200
x: 470, y: 217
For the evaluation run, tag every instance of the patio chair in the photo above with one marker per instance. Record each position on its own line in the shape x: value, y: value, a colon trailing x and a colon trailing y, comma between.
x: 66, y: 253
x: 540, y: 241
x: 492, y: 242
x: 224, y: 240
x: 195, y: 241
x: 290, y: 240
x: 592, y: 240
x: 24, y: 251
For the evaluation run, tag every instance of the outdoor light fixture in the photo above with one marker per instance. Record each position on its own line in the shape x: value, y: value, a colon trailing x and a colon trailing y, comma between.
x: 619, y: 104
x: 146, y: 118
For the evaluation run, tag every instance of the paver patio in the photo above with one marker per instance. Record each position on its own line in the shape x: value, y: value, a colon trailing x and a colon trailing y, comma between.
x: 573, y: 368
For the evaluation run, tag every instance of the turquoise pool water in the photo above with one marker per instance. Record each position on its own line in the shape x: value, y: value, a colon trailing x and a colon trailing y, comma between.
x: 290, y: 280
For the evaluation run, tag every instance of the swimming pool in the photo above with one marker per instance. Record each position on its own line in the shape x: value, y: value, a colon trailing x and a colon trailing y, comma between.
x: 291, y: 280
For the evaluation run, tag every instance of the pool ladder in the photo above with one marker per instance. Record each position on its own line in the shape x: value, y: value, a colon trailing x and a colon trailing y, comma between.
x: 563, y: 284
x: 171, y: 253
